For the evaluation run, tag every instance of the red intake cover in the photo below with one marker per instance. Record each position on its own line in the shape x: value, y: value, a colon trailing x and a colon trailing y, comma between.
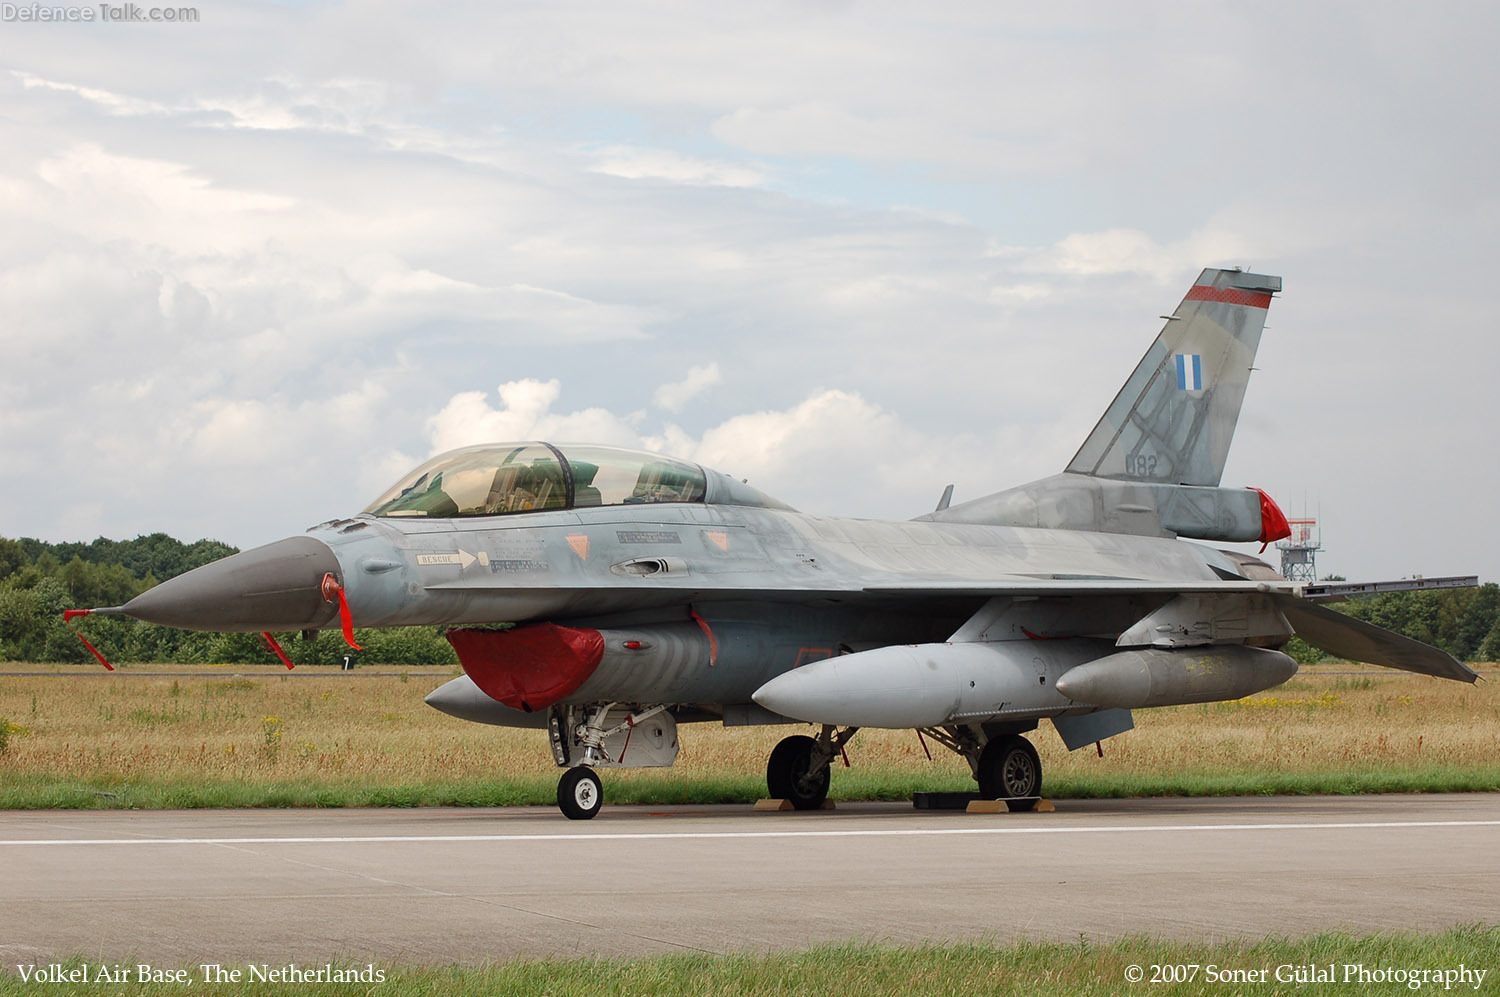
x: 531, y: 667
x: 1273, y: 524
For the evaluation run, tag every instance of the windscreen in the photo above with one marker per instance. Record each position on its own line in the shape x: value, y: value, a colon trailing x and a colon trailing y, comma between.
x: 479, y: 481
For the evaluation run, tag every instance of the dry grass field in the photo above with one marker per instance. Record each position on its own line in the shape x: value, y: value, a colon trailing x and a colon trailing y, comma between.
x: 246, y: 736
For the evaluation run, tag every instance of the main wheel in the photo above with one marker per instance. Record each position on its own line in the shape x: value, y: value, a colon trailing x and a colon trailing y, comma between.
x: 1008, y: 768
x: 790, y: 774
x: 579, y: 794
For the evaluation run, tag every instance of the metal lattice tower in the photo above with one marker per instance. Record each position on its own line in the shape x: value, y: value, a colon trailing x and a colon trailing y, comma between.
x: 1300, y: 550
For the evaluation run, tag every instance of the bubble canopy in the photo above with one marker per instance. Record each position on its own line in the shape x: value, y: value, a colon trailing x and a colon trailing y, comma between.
x: 501, y: 479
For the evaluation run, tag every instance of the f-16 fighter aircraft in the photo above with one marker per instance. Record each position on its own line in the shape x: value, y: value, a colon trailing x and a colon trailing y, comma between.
x: 646, y: 592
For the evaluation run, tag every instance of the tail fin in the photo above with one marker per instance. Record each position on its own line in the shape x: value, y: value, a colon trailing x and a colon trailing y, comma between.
x: 1172, y: 421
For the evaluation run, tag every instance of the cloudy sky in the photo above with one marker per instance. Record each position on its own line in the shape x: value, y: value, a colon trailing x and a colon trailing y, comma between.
x: 254, y: 267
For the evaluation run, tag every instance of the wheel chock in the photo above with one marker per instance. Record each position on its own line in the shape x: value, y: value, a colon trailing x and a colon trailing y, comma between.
x: 1042, y: 806
x: 775, y: 805
x: 780, y: 805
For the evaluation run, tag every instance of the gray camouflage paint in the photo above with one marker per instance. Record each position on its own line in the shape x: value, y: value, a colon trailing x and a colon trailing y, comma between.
x: 972, y: 615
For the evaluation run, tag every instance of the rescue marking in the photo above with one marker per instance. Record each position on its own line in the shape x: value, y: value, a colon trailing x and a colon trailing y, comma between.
x: 678, y: 835
x: 718, y: 538
x: 580, y: 544
x: 463, y: 558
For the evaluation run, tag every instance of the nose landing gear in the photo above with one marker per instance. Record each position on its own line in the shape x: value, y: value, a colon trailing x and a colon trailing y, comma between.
x: 605, y: 735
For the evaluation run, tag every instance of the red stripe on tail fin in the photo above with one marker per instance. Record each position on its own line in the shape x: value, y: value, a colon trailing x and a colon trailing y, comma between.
x: 1229, y: 296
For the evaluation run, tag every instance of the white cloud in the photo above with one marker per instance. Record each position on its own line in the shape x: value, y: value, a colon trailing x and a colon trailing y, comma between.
x: 295, y: 250
x: 699, y: 379
x: 1125, y: 251
x: 113, y: 196
x: 821, y: 129
x: 113, y: 102
x: 834, y: 452
x: 666, y: 164
x: 524, y: 414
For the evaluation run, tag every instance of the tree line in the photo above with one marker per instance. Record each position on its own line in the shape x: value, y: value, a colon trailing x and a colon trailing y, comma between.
x: 1463, y: 622
x: 38, y: 581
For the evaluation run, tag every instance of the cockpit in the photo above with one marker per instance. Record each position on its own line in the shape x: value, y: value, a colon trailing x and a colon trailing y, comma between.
x: 500, y: 479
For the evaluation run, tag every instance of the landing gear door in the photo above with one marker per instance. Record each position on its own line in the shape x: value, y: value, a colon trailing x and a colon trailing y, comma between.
x: 628, y: 740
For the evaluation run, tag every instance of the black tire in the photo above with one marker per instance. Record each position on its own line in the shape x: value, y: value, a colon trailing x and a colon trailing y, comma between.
x: 579, y: 793
x: 1009, y: 768
x: 789, y: 774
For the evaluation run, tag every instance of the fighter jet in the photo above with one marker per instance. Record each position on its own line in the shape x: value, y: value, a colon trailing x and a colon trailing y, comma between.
x: 638, y: 592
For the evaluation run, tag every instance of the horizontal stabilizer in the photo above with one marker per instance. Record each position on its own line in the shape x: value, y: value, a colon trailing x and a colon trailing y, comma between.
x: 1356, y: 640
x: 1341, y: 591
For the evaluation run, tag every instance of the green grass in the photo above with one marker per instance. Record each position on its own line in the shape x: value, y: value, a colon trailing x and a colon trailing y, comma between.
x: 37, y: 792
x: 954, y: 970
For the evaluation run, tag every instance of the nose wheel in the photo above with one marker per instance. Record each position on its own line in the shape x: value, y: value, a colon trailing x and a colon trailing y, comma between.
x: 579, y: 793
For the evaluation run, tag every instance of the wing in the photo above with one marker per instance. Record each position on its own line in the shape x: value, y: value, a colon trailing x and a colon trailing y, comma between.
x: 1203, y: 608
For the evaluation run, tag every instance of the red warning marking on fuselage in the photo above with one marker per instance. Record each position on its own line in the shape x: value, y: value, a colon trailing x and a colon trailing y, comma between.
x: 805, y: 655
x: 580, y: 544
x: 719, y: 538
x: 713, y: 642
x: 1229, y: 296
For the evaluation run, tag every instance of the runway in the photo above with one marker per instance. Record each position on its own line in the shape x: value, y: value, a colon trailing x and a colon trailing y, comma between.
x: 458, y: 885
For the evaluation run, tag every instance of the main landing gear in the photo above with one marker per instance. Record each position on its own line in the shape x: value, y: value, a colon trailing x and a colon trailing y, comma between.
x: 799, y: 768
x: 1005, y: 765
x: 584, y: 738
x: 1009, y: 768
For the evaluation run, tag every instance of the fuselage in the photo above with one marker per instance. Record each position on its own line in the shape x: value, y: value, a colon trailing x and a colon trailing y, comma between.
x: 588, y: 564
x: 662, y: 581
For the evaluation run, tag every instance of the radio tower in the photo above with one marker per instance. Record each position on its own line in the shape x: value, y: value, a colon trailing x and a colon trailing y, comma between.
x: 1299, y: 551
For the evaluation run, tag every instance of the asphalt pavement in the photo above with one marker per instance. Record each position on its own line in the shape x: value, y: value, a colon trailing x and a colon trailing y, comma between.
x: 476, y: 885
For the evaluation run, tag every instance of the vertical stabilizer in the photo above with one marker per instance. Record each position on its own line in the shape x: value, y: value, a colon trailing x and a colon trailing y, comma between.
x: 1174, y: 419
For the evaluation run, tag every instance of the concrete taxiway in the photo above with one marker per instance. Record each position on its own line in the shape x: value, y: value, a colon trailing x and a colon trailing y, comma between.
x: 449, y: 885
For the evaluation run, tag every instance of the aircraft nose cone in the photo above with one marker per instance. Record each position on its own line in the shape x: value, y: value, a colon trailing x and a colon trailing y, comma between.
x: 275, y: 587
